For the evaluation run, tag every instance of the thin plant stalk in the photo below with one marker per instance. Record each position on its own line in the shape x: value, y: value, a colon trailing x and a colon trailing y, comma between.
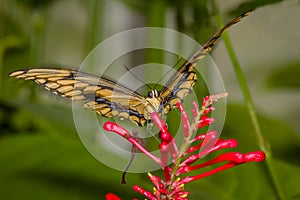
x: 263, y: 145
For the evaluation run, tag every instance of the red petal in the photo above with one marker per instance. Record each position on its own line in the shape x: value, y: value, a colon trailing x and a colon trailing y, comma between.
x: 111, y: 196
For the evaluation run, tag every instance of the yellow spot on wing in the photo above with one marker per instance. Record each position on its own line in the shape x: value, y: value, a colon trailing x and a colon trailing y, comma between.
x: 123, y: 115
x: 73, y: 93
x: 80, y: 85
x: 105, y: 111
x: 114, y: 112
x: 52, y: 85
x: 66, y: 82
x: 55, y: 78
x: 100, y: 106
x: 91, y: 89
x: 64, y: 89
x: 29, y: 78
x: 42, y: 75
x: 134, y: 118
x: 79, y: 97
x: 104, y: 93
x: 16, y: 73
x: 174, y: 101
x: 90, y: 104
x: 182, y: 93
x: 40, y: 81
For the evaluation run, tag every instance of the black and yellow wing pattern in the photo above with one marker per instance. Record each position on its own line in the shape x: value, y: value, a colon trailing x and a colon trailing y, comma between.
x: 182, y: 82
x: 110, y: 99
x: 102, y: 95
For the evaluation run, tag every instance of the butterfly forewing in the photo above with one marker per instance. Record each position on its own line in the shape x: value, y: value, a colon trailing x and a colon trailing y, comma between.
x: 99, y: 94
x: 177, y: 88
x: 182, y: 82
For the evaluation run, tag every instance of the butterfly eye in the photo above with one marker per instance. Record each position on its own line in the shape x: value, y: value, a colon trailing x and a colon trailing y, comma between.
x: 150, y: 94
x: 153, y: 94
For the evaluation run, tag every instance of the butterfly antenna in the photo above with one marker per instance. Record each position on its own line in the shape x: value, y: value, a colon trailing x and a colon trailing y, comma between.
x: 137, y: 77
x: 178, y: 61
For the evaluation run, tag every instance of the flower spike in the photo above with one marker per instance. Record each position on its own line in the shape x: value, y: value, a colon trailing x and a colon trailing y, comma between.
x: 185, y: 157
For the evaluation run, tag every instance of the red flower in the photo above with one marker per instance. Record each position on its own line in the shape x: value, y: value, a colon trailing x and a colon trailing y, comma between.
x: 184, y: 156
x: 111, y: 196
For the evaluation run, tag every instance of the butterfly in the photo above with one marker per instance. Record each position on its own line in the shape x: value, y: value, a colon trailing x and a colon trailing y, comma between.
x: 111, y: 99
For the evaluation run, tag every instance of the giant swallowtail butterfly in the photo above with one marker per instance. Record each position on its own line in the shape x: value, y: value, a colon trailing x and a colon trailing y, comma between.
x: 110, y: 99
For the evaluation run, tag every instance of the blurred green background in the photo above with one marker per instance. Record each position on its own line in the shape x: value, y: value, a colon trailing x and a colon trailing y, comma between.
x: 41, y: 156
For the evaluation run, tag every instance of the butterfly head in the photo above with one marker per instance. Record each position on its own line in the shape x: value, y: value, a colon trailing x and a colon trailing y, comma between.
x: 153, y: 102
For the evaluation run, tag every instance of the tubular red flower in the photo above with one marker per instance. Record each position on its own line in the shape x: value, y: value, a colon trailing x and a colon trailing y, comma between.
x: 205, y: 137
x: 144, y: 192
x: 232, y: 158
x: 255, y: 156
x: 111, y: 196
x: 205, y: 121
x: 167, y: 172
x: 110, y: 126
x: 159, y: 184
x: 185, y: 119
x: 221, y: 144
x: 178, y: 191
x: 180, y: 195
x: 159, y: 123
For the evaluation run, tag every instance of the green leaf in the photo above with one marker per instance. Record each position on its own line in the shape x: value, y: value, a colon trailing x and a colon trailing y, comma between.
x: 42, y: 167
x: 251, y: 5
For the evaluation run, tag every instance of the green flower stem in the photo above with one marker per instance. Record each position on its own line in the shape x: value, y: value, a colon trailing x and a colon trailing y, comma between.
x: 250, y: 105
